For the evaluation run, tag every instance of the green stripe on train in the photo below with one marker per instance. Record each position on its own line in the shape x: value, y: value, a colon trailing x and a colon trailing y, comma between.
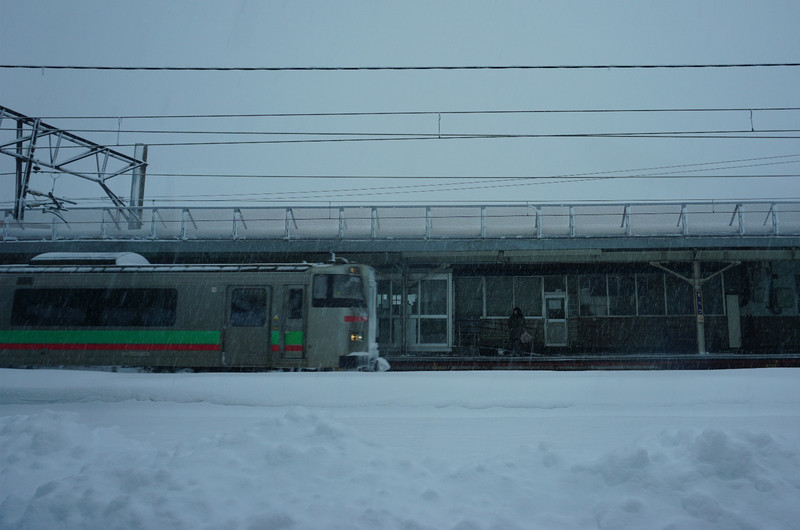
x: 97, y: 336
x: 292, y: 338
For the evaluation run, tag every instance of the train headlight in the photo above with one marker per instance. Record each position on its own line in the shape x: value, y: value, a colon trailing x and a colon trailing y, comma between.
x: 356, y: 337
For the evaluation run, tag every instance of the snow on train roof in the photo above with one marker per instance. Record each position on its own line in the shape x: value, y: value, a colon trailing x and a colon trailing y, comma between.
x: 86, y: 258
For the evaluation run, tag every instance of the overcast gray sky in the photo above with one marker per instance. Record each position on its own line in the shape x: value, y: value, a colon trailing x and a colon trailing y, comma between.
x: 415, y: 33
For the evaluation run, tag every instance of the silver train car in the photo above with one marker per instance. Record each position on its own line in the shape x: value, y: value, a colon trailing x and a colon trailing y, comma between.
x: 117, y: 310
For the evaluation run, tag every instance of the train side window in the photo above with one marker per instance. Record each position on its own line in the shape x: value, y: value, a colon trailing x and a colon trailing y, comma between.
x: 95, y: 307
x: 248, y: 307
x: 295, y: 304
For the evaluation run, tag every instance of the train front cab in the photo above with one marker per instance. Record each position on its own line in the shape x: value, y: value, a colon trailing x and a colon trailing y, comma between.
x: 341, y: 318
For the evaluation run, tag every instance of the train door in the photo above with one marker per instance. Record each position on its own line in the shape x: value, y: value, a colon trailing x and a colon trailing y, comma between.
x: 247, y: 333
x: 287, y: 331
x: 555, y: 320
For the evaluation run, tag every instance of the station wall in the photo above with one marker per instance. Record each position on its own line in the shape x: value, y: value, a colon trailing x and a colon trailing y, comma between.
x: 590, y: 309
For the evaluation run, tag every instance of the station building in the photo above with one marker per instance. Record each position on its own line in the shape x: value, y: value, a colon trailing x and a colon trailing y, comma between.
x: 590, y: 278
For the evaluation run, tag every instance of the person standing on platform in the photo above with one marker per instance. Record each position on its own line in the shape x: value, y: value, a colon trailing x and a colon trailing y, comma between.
x: 516, y: 327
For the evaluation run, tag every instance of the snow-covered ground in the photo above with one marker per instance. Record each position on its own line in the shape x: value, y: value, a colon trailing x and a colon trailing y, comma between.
x: 465, y: 450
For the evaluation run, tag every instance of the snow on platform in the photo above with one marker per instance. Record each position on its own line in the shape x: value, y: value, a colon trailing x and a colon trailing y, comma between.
x: 554, y: 450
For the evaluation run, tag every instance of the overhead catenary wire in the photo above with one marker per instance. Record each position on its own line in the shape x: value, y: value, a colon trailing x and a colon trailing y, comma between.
x: 291, y: 202
x: 757, y: 135
x: 355, y: 68
x: 323, y: 136
x: 377, y: 135
x: 498, y: 182
x: 473, y: 185
x: 424, y: 113
x: 488, y: 178
x: 358, y: 203
x: 701, y: 166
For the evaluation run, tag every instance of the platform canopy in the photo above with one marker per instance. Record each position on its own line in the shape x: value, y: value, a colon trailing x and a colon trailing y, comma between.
x: 458, y: 231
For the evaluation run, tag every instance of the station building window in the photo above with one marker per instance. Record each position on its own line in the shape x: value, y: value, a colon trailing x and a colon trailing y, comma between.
x: 468, y: 297
x: 680, y: 300
x: 554, y: 284
x: 621, y: 295
x: 713, y: 299
x: 433, y: 296
x: 389, y: 308
x: 500, y: 294
x: 426, y: 307
x: 598, y: 295
x: 645, y: 294
x: 528, y: 295
x: 797, y: 290
x: 432, y: 311
x: 593, y: 293
x: 650, y: 294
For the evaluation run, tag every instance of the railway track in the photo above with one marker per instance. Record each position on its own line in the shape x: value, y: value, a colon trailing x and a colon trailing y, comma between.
x: 712, y: 361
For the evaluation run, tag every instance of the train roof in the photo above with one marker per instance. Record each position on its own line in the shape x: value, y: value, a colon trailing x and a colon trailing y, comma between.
x: 255, y: 267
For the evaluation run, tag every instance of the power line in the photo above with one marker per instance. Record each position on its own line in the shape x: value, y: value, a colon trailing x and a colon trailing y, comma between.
x: 486, y: 202
x: 332, y: 136
x: 394, y: 68
x: 377, y: 135
x: 424, y: 113
x: 700, y: 166
x: 488, y: 184
x: 505, y: 181
x: 551, y: 179
x: 432, y: 177
x: 746, y: 135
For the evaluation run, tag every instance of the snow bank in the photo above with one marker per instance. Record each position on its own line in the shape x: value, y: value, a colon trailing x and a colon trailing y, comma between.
x: 400, y: 450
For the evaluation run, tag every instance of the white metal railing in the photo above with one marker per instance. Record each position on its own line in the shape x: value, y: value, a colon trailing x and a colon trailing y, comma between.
x: 503, y: 221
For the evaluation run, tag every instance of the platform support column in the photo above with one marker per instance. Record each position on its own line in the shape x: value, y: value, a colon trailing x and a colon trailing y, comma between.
x: 697, y: 283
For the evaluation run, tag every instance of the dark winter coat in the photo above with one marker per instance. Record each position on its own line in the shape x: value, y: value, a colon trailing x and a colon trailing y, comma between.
x: 516, y: 324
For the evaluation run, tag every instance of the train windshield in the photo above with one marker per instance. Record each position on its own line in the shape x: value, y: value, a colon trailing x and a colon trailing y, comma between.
x: 338, y: 290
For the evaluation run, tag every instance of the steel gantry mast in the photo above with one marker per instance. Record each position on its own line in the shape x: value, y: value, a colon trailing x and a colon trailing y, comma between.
x: 67, y: 153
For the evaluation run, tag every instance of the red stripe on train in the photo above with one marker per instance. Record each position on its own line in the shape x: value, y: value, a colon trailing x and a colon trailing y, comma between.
x: 289, y: 347
x: 355, y: 319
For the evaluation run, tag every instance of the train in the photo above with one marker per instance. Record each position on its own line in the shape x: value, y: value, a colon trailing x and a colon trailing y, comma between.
x: 119, y: 310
